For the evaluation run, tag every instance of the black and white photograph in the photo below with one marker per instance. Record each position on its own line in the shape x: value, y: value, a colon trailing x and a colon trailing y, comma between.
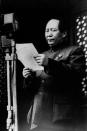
x: 43, y: 65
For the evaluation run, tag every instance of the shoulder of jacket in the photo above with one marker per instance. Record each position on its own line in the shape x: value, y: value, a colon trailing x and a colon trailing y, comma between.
x: 70, y: 49
x: 74, y: 47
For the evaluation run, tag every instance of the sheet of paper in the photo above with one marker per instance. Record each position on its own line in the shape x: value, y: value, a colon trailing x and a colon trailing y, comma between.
x: 25, y: 53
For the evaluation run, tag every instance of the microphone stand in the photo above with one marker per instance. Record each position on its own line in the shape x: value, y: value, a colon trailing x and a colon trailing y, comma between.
x: 12, y: 121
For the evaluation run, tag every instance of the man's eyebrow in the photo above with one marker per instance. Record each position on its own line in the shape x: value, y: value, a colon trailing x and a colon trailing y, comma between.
x: 47, y: 29
x: 51, y: 28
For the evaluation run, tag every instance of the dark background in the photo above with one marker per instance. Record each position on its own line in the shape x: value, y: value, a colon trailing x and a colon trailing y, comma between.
x: 33, y: 15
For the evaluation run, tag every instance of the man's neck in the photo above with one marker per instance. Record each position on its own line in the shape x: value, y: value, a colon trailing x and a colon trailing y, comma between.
x: 59, y: 46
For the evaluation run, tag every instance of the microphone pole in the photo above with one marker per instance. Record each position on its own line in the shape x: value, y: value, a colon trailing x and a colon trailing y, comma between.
x: 12, y: 120
x: 9, y: 28
x: 13, y: 84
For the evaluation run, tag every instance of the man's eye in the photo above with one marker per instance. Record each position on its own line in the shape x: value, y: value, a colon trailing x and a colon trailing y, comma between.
x: 54, y: 29
x: 46, y: 30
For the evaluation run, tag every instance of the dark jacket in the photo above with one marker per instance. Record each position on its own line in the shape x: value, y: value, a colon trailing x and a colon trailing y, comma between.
x: 58, y: 84
x: 64, y: 71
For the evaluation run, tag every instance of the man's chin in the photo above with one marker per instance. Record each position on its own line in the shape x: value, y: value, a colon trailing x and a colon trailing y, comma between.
x: 51, y: 44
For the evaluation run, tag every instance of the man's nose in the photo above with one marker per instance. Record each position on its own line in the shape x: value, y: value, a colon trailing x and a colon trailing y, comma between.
x: 50, y: 34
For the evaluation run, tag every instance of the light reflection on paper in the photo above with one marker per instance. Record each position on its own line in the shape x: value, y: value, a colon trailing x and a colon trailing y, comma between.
x: 25, y: 53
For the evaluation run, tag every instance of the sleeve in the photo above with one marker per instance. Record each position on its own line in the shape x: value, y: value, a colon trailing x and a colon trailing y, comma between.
x: 27, y: 82
x: 42, y: 74
x: 75, y: 62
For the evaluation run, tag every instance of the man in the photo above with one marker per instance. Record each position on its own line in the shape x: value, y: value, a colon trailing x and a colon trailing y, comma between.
x: 58, y: 86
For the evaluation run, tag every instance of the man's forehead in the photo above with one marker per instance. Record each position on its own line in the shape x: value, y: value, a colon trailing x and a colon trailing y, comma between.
x: 53, y: 23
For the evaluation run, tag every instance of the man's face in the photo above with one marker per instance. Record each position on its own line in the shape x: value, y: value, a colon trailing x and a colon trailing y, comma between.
x: 52, y: 33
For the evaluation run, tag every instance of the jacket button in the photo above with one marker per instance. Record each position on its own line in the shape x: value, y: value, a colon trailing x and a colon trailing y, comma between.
x: 42, y: 81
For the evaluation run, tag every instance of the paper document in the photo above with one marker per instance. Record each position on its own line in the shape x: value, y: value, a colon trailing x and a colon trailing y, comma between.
x: 25, y: 53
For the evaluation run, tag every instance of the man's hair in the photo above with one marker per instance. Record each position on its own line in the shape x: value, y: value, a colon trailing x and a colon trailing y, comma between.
x: 62, y: 26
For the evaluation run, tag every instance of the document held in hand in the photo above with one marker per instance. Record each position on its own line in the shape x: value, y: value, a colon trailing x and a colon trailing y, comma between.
x: 25, y: 53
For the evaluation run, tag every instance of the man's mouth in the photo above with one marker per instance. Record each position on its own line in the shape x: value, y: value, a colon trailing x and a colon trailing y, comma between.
x: 51, y: 40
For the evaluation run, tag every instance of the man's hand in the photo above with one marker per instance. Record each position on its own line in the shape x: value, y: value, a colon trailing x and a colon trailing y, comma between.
x: 27, y: 72
x: 40, y: 59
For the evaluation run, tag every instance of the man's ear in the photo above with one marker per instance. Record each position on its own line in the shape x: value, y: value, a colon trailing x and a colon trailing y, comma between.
x: 64, y: 34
